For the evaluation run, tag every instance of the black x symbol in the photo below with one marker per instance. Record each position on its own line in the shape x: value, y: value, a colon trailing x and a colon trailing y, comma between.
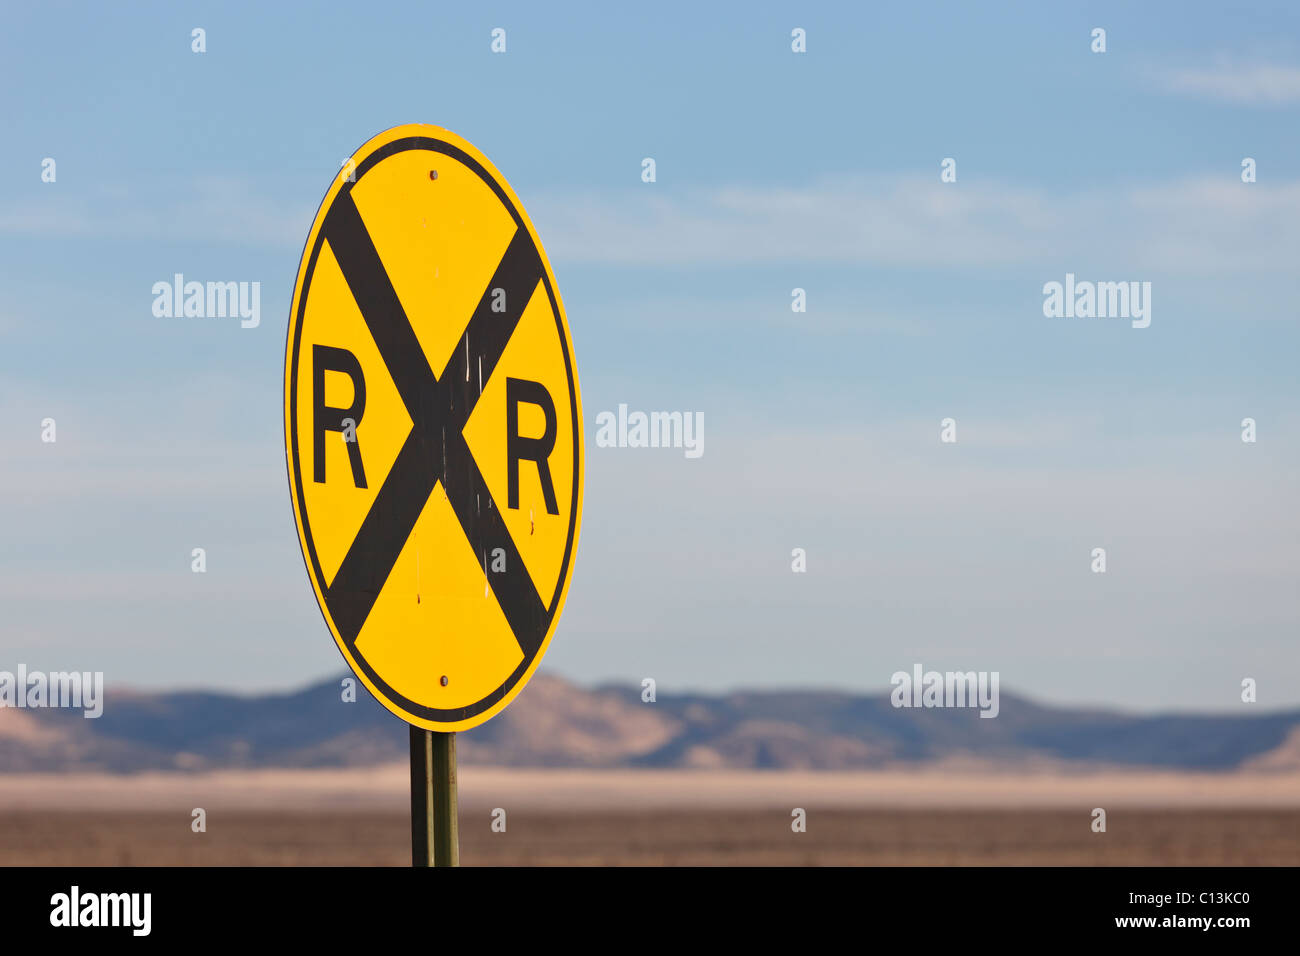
x: 435, y: 450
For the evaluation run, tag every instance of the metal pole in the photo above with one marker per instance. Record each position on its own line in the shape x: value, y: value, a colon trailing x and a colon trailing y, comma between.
x: 421, y: 798
x: 446, y: 816
x: 435, y: 836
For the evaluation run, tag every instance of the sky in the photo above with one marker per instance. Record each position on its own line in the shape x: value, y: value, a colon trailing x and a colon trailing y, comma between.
x: 775, y: 171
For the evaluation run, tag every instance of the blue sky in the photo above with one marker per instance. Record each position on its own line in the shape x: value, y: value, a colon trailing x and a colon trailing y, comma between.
x: 774, y: 171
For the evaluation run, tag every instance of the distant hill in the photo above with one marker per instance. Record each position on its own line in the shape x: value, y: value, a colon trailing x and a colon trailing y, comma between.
x: 557, y: 724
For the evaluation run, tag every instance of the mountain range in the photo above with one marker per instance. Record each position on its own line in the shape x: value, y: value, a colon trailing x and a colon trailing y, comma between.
x: 555, y: 723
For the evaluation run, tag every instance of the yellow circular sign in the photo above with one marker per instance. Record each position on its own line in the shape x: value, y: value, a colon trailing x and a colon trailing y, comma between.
x: 432, y: 428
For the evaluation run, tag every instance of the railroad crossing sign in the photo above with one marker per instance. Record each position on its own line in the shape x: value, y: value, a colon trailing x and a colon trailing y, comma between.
x: 431, y: 414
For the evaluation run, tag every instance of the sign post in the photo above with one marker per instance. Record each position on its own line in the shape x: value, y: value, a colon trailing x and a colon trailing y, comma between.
x: 433, y: 436
x: 446, y: 823
x: 435, y: 837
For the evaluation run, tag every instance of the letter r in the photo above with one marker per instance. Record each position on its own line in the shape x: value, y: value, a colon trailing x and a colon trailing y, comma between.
x: 534, y: 449
x: 326, y: 358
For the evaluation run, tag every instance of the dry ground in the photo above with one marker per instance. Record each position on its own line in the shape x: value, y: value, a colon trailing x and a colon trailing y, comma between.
x: 663, y: 837
x: 358, y: 817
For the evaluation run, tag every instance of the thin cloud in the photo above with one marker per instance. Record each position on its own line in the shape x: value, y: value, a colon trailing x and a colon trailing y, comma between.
x: 210, y: 209
x: 1257, y: 84
x: 1192, y: 226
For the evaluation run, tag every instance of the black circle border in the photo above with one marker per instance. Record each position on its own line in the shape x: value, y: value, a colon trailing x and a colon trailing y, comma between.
x: 310, y: 559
